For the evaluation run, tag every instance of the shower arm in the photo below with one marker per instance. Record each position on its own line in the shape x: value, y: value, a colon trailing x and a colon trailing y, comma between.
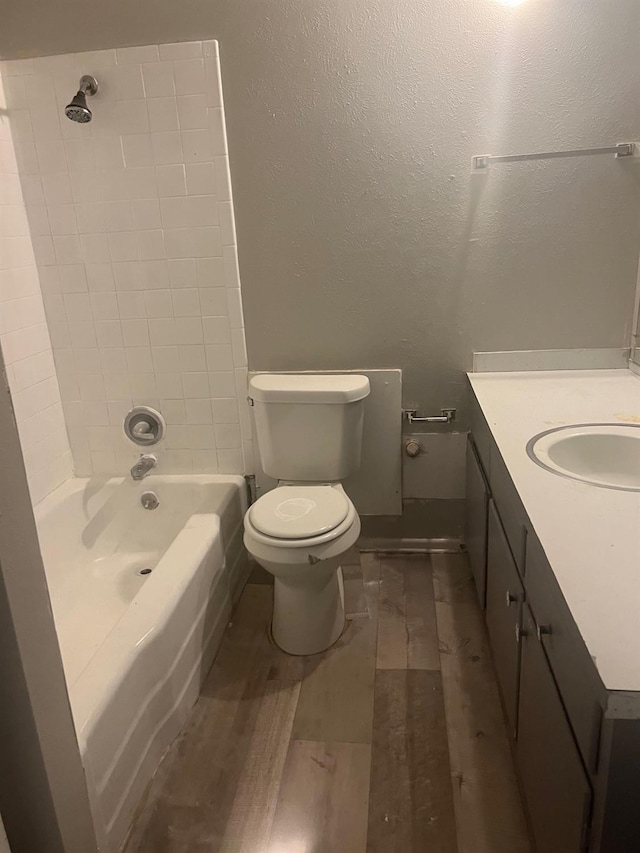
x: 88, y: 85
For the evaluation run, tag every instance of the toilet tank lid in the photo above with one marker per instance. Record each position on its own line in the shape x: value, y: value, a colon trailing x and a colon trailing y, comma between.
x: 308, y: 387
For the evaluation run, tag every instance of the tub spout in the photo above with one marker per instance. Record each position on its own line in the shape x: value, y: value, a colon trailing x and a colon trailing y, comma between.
x: 142, y: 467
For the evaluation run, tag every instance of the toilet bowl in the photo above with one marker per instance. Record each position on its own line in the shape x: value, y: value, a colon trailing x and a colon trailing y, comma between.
x: 300, y: 533
x: 309, y: 433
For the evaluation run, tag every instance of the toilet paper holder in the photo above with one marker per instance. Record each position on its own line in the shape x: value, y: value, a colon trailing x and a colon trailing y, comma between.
x: 446, y: 416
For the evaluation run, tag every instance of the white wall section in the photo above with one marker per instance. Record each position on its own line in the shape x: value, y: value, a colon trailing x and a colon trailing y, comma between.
x: 438, y: 471
x: 24, y: 337
x: 132, y: 225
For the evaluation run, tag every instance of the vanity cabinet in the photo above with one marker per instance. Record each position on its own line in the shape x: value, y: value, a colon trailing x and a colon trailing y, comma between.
x: 555, y: 785
x: 512, y: 513
x: 505, y: 594
x: 576, y: 744
x: 574, y: 670
x: 476, y: 515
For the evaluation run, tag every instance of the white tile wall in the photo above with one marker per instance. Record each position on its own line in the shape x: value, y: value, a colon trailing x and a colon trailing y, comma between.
x: 133, y: 233
x: 24, y: 338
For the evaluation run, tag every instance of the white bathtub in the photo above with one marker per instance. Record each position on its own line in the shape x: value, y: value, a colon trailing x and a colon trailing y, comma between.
x: 136, y: 647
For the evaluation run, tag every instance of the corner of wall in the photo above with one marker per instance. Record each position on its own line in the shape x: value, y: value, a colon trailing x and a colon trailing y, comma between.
x: 24, y: 337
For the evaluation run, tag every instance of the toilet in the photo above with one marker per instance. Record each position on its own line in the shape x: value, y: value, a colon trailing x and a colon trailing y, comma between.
x: 309, y: 435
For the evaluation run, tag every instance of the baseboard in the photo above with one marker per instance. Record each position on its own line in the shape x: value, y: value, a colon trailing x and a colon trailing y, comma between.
x: 422, y: 521
x: 387, y: 545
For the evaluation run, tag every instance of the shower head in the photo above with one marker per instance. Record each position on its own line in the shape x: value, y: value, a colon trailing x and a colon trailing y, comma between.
x: 78, y: 110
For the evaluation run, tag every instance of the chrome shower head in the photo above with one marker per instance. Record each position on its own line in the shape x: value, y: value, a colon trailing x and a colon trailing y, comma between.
x: 78, y: 110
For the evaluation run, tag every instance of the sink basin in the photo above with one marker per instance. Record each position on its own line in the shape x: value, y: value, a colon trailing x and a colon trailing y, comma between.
x: 605, y: 455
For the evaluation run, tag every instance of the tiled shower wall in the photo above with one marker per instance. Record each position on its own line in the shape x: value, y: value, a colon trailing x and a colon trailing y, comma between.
x: 132, y: 224
x: 24, y: 338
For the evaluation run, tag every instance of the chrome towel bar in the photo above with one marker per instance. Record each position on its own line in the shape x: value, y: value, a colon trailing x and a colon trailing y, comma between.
x: 481, y: 162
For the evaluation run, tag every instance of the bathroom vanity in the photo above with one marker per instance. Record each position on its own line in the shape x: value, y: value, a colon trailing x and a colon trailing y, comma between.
x: 556, y: 564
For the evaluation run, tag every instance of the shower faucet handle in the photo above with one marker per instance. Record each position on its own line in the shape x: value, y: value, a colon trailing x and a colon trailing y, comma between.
x: 142, y: 431
x: 144, y: 426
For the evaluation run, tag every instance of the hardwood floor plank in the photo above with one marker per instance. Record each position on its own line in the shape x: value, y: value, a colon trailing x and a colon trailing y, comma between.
x: 392, y: 622
x: 323, y: 800
x: 279, y: 749
x: 422, y: 634
x: 249, y: 825
x: 370, y: 564
x: 355, y: 596
x: 410, y: 799
x: 232, y: 751
x: 361, y: 575
x: 489, y: 813
x: 452, y: 579
x: 407, y: 636
x: 352, y: 557
x: 336, y: 697
x: 355, y: 599
x: 260, y: 575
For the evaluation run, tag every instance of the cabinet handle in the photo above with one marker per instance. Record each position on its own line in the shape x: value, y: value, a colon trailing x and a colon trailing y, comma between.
x: 511, y: 598
x: 520, y: 632
x: 543, y: 629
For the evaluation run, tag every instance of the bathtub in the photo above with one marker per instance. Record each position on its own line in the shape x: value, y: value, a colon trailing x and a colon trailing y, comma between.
x: 140, y: 599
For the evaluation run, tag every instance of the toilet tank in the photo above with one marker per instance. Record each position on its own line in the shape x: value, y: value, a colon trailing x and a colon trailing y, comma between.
x: 309, y: 426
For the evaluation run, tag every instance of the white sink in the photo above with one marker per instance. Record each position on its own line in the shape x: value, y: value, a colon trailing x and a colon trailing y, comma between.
x: 606, y: 455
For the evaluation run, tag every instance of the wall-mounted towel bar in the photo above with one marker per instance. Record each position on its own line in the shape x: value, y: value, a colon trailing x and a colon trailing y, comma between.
x: 481, y: 162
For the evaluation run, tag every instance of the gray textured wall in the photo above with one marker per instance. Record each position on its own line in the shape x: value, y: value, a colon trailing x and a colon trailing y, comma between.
x: 364, y: 241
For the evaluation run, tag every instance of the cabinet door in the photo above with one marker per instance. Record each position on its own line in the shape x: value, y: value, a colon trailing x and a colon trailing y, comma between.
x: 574, y: 671
x: 475, y: 528
x: 554, y: 782
x: 505, y: 595
x: 481, y: 433
x: 512, y: 514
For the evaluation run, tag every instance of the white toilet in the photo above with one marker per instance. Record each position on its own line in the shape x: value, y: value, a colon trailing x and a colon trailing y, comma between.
x: 309, y: 433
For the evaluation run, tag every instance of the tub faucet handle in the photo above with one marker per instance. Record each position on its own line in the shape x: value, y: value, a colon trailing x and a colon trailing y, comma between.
x: 142, y: 467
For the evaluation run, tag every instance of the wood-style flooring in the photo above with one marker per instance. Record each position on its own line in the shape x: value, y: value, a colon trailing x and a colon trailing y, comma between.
x: 392, y: 741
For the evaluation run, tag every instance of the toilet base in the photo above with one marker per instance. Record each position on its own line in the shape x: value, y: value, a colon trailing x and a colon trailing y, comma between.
x: 308, y: 618
x: 308, y: 607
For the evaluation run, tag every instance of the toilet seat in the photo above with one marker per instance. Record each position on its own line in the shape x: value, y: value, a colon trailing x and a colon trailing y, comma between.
x: 299, y: 512
x: 300, y: 516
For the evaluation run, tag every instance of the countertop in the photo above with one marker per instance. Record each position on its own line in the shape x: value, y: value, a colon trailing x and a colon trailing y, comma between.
x: 591, y: 535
